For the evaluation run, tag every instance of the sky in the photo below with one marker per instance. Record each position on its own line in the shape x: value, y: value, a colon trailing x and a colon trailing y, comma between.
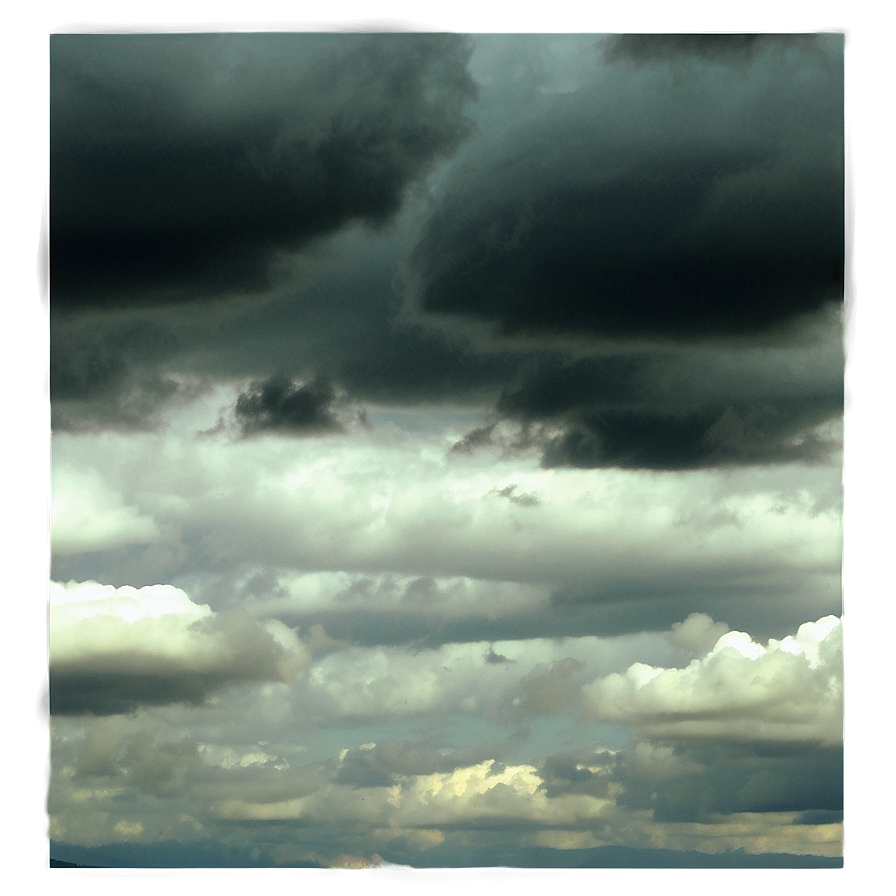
x: 447, y: 449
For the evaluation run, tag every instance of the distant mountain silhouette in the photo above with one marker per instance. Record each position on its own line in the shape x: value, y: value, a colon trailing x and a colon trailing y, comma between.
x: 56, y: 863
x: 604, y: 857
x: 630, y: 857
x: 173, y: 854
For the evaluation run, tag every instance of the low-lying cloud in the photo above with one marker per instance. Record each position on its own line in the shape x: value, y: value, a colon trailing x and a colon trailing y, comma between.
x: 114, y: 650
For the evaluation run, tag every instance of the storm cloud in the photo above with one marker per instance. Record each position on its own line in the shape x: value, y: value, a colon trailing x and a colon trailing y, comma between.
x: 279, y: 404
x: 679, y: 782
x: 652, y: 207
x: 733, y: 48
x: 182, y: 165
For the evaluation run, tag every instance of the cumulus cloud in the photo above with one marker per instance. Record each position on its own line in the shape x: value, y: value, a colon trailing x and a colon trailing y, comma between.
x: 788, y: 690
x: 397, y: 798
x: 113, y: 650
x: 577, y: 771
x: 697, y: 635
x: 705, y: 779
x: 547, y: 691
x: 484, y: 796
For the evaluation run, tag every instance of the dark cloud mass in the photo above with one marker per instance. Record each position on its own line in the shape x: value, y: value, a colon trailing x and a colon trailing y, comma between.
x: 79, y: 692
x: 652, y: 206
x: 280, y: 405
x: 734, y: 48
x: 111, y: 373
x: 181, y: 164
x: 756, y: 778
x: 693, y: 781
x: 699, y: 203
x: 751, y: 434
x: 666, y: 412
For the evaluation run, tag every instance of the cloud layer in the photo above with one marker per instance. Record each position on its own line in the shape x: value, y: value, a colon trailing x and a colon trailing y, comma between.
x: 114, y: 650
x: 447, y: 449
x: 199, y: 179
x: 652, y: 206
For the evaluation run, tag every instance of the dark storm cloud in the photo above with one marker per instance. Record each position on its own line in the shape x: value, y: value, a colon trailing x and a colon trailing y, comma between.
x: 688, y: 782
x: 480, y: 437
x: 652, y: 205
x: 647, y: 47
x: 413, y: 364
x: 668, y: 412
x: 278, y: 404
x: 110, y: 373
x: 80, y: 691
x: 700, y: 780
x: 704, y: 197
x: 182, y: 164
x: 732, y: 49
x: 719, y: 436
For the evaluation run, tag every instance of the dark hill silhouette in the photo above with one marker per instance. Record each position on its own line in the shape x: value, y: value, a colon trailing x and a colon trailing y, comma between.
x: 56, y: 863
x: 630, y: 858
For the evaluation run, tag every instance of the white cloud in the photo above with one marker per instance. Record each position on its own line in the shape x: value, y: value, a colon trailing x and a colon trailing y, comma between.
x: 112, y: 649
x: 741, y: 690
x: 88, y: 514
x: 537, y: 678
x: 373, y: 504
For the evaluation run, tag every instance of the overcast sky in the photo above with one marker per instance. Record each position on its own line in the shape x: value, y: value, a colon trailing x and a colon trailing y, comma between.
x: 447, y: 448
